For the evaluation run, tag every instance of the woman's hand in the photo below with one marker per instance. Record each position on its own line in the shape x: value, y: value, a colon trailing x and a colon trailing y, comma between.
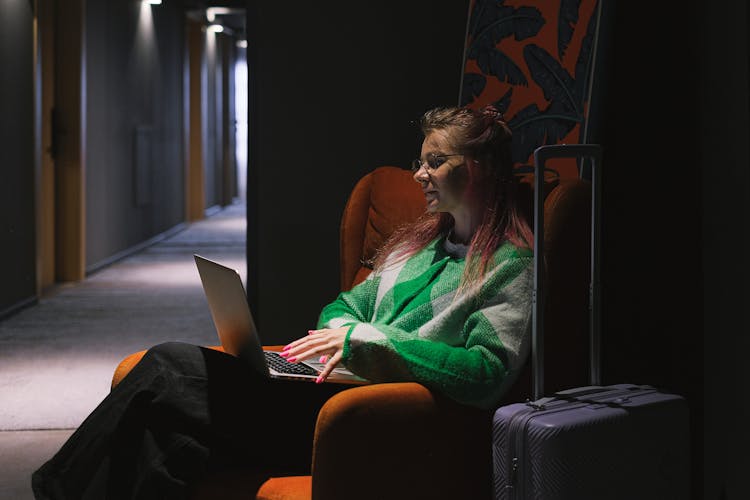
x: 326, y: 344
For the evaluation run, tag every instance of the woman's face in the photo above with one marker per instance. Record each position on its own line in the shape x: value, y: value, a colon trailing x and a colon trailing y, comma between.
x: 444, y: 185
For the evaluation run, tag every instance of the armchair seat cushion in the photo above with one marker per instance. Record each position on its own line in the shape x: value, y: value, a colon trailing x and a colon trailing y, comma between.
x: 286, y: 488
x: 249, y: 484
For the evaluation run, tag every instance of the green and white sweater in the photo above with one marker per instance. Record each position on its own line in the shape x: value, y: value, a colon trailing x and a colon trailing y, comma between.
x: 407, y: 324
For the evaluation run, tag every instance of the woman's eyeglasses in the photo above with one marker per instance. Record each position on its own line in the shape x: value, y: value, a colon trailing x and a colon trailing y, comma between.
x: 431, y: 164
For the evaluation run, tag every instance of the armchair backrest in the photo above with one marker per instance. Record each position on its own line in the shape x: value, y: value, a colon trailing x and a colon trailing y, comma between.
x: 388, y: 197
x: 380, y: 202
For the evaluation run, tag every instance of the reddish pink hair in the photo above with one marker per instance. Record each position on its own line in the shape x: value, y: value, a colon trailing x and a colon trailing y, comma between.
x: 499, y: 201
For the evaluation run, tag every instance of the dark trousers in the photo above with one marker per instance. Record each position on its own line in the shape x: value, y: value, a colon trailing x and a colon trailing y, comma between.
x: 183, y: 412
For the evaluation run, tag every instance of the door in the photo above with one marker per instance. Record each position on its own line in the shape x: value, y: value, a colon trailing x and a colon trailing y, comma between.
x: 61, y: 106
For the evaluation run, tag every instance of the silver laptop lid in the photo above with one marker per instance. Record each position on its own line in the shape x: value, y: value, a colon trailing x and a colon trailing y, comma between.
x: 227, y: 302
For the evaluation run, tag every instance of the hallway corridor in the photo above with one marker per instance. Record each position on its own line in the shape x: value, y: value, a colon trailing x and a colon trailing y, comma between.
x: 57, y: 357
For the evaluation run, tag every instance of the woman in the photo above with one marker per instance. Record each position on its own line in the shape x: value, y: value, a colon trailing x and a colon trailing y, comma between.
x: 448, y: 305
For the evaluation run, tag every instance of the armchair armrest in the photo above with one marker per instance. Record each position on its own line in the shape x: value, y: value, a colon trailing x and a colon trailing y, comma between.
x: 131, y: 360
x: 400, y: 440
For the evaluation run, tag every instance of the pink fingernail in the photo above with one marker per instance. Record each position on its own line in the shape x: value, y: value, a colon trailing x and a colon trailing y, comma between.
x: 292, y: 360
x: 283, y: 354
x: 310, y: 332
x: 319, y: 380
x: 286, y: 348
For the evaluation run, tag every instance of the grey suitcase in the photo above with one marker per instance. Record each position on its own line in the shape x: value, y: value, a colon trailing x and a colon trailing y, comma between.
x: 598, y: 442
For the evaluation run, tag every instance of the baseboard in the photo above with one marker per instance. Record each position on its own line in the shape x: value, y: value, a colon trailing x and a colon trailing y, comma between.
x: 17, y: 307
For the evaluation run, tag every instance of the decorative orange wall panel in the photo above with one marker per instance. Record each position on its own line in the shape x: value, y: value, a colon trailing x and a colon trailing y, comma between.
x: 533, y: 60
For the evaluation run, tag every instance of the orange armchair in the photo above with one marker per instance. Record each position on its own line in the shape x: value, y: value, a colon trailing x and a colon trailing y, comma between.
x: 400, y: 440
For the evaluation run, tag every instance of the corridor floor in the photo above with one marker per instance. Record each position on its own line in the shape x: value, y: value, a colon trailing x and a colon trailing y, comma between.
x: 57, y: 357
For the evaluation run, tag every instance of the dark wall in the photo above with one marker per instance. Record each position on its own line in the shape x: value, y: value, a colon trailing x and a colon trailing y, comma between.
x: 134, y: 114
x: 652, y: 241
x: 652, y: 201
x: 17, y: 222
x: 333, y: 91
x: 675, y: 130
x: 722, y: 34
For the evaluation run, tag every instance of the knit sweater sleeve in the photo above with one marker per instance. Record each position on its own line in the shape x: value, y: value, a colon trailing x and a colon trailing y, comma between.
x: 351, y: 307
x: 476, y: 369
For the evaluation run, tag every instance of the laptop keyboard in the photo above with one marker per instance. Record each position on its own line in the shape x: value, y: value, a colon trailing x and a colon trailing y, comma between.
x: 281, y: 365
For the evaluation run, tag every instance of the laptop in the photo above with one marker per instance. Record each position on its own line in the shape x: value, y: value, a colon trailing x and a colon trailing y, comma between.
x: 238, y: 335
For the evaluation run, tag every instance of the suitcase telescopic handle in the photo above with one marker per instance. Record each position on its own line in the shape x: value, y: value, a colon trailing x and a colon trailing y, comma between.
x: 541, y: 155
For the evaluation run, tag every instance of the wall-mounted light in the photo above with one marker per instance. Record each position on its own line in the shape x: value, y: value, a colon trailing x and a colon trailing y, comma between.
x: 152, y: 2
x: 242, y: 44
x: 215, y: 28
x: 211, y: 12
